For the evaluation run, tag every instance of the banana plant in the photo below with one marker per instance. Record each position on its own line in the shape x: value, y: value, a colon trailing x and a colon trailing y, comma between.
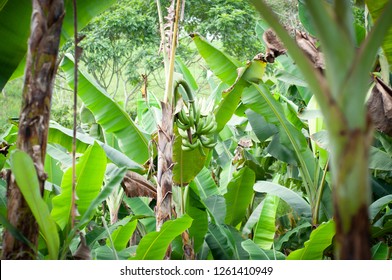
x: 47, y: 33
x: 268, y: 117
x: 341, y: 91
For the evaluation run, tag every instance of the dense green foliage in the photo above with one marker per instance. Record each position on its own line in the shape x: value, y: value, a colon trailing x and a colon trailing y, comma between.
x: 263, y: 192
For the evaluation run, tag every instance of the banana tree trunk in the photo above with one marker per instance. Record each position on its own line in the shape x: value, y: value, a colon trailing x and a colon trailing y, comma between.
x: 352, y: 193
x: 43, y: 45
x: 165, y: 166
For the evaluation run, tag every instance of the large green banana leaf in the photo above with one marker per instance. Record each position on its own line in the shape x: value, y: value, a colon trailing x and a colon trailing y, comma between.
x: 204, y: 184
x: 188, y: 163
x: 239, y: 195
x: 15, y: 29
x: 290, y: 197
x: 380, y: 251
x: 140, y: 207
x: 186, y: 73
x: 265, y: 229
x: 378, y: 205
x: 197, y: 211
x: 153, y: 246
x: 100, y: 233
x: 122, y: 235
x: 114, y: 177
x: 108, y: 114
x: 291, y: 140
x: 218, y: 242
x: 225, y: 68
x: 22, y: 167
x: 319, y: 240
x: 376, y: 8
x: 90, y: 172
x: 260, y: 126
x: 56, y: 160
x: 216, y: 207
x: 63, y: 136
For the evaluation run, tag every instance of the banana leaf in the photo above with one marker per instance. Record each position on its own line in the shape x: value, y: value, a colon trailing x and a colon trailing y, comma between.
x: 99, y: 233
x: 188, y: 163
x: 114, y: 178
x: 218, y: 242
x: 204, y: 184
x: 139, y: 206
x: 3, y: 198
x: 379, y: 160
x: 256, y: 253
x: 122, y: 235
x: 253, y: 219
x: 320, y: 239
x: 15, y: 27
x: 53, y: 168
x: 216, y: 207
x: 153, y: 246
x: 380, y: 251
x: 90, y: 172
x: 239, y: 195
x: 290, y: 197
x: 260, y: 126
x: 235, y: 237
x: 23, y: 168
x: 108, y: 114
x: 15, y: 19
x: 376, y: 8
x: 306, y: 226
x: 184, y: 70
x: 378, y: 205
x: 197, y: 211
x: 265, y: 229
x: 225, y: 68
x: 292, y: 141
x: 63, y: 136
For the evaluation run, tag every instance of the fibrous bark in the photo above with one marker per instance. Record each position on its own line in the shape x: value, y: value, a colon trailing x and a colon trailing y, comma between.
x: 165, y: 166
x: 136, y: 185
x: 41, y: 66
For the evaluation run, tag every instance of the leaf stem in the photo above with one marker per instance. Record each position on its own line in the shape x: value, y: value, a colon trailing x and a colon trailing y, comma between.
x: 75, y: 108
x: 319, y: 195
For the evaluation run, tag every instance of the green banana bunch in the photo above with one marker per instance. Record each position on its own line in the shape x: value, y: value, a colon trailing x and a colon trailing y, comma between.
x: 197, y: 129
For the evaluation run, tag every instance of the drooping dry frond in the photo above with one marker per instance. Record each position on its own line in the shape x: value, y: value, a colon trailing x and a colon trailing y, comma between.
x: 168, y: 27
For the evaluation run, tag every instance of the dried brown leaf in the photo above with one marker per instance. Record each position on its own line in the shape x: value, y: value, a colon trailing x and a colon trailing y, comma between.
x: 136, y: 185
x: 274, y: 46
x: 380, y: 107
x: 83, y: 252
x: 308, y: 44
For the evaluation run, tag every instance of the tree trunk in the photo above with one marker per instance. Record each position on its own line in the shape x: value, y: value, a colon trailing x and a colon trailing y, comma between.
x: 165, y: 166
x: 352, y: 194
x: 41, y: 66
